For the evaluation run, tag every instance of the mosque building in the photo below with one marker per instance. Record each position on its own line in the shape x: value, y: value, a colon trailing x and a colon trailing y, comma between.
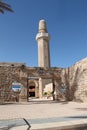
x: 20, y: 82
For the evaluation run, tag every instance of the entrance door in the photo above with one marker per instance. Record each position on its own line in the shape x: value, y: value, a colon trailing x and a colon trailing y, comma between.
x: 31, y: 91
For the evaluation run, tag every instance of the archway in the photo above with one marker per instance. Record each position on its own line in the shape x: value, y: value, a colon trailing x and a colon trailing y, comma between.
x: 31, y: 89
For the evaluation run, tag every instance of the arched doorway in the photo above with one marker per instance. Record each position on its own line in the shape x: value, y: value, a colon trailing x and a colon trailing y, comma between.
x: 31, y: 89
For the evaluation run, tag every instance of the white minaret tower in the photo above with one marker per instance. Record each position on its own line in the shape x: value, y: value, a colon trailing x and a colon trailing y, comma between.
x: 43, y: 45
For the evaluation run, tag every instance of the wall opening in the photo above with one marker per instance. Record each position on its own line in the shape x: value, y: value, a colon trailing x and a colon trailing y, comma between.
x: 31, y: 91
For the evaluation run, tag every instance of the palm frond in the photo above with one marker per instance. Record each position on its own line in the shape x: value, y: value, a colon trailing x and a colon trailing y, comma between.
x: 5, y: 7
x: 1, y: 11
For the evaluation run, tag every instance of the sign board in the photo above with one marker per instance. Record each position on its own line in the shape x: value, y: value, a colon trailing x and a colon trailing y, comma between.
x: 16, y: 87
x: 16, y: 83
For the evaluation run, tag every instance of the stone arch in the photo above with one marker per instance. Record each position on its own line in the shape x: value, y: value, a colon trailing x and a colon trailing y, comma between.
x: 33, y: 88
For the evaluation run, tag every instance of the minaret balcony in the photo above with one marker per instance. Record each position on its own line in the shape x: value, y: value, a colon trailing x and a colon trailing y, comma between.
x: 42, y: 35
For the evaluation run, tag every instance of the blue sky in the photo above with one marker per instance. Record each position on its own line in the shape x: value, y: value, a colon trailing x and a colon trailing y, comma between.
x: 66, y: 22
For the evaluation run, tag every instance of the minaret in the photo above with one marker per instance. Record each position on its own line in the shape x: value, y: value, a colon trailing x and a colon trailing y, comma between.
x: 43, y: 45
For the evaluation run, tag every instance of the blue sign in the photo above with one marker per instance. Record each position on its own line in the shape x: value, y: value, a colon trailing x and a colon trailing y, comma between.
x: 16, y: 88
x: 63, y: 88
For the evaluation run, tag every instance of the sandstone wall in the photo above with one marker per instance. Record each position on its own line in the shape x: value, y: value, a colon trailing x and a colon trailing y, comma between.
x: 75, y: 78
x: 9, y: 73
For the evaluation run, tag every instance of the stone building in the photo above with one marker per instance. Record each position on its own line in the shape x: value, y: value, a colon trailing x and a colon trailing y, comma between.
x: 19, y: 82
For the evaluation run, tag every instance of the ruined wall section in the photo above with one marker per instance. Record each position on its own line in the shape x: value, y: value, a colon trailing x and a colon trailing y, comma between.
x: 81, y: 91
x: 75, y: 78
x: 9, y: 73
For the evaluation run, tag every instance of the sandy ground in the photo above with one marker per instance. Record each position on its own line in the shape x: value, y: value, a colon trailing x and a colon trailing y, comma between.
x: 33, y: 110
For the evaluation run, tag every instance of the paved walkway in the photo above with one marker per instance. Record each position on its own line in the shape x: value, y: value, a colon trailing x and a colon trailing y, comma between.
x: 42, y: 114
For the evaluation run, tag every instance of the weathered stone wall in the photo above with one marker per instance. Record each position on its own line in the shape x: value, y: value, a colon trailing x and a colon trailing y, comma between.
x: 75, y: 78
x: 81, y: 78
x: 9, y: 73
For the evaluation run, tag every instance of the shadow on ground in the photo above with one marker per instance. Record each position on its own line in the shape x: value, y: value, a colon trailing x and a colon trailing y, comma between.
x: 77, y: 117
x: 84, y: 109
x: 36, y: 102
